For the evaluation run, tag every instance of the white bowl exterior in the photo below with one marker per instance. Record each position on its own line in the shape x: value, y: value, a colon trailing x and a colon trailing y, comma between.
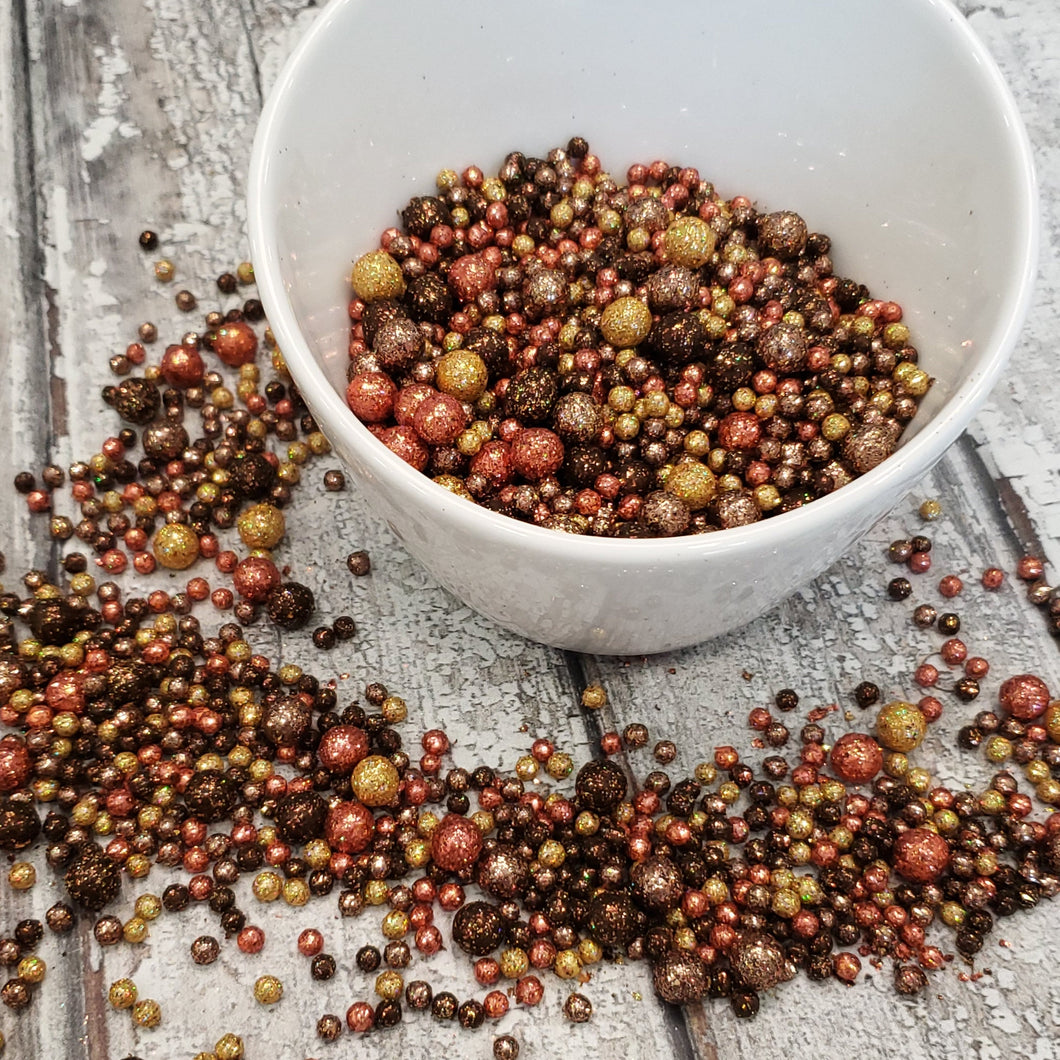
x: 885, y: 124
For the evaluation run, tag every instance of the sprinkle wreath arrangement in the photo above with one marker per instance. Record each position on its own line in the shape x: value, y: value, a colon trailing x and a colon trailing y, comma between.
x: 636, y: 361
x: 142, y: 746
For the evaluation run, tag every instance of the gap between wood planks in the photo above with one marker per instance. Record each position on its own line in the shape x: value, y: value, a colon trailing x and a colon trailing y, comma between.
x: 1013, y: 513
x: 40, y: 406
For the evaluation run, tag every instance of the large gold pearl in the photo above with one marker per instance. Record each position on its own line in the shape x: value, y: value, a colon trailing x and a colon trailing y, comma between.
x: 693, y: 483
x: 625, y: 322
x: 689, y: 241
x: 900, y: 726
x: 176, y: 546
x: 462, y: 374
x: 377, y: 276
x: 261, y: 526
x: 375, y: 781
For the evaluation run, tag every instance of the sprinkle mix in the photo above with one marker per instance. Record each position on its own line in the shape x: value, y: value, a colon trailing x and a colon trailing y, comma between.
x: 141, y: 744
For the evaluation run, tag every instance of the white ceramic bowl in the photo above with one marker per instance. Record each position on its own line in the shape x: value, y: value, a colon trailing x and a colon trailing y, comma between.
x: 885, y: 123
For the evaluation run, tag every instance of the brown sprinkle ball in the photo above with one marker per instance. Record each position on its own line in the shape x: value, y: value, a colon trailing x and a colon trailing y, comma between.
x: 15, y: 994
x: 227, y: 283
x: 680, y: 977
x: 505, y: 1048
x: 290, y: 605
x: 329, y: 1028
x: 205, y: 949
x: 359, y: 563
x: 866, y: 694
x: 757, y: 960
x: 324, y: 638
x: 578, y: 1008
x: 478, y: 928
x: 635, y: 735
x: 60, y: 918
x: 93, y: 880
x: 1030, y: 568
x: 908, y: 979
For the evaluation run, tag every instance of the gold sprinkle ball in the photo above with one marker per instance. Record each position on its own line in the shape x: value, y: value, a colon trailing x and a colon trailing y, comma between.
x: 135, y: 930
x: 22, y: 876
x: 1051, y: 720
x: 692, y: 482
x: 514, y: 962
x: 594, y: 697
x: 295, y: 893
x: 147, y: 1013
x: 268, y: 990
x: 32, y: 969
x: 148, y: 907
x: 454, y: 485
x: 689, y: 241
x: 526, y: 767
x: 229, y: 1047
x: 395, y: 924
x: 122, y: 994
x: 900, y: 726
x: 375, y: 781
x: 568, y: 964
x: 559, y: 765
x: 261, y: 526
x: 267, y: 886
x: 625, y: 322
x: 461, y: 374
x: 176, y: 546
x: 394, y: 709
x: 389, y: 985
x: 377, y: 276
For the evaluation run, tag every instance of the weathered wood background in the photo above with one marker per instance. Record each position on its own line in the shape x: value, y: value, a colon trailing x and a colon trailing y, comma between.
x: 128, y: 114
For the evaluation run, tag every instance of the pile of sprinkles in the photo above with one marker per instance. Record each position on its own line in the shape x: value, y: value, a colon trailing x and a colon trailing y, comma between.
x: 143, y: 744
x: 644, y: 360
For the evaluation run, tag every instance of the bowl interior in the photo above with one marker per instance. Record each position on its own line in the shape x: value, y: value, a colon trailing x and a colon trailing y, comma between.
x: 893, y: 135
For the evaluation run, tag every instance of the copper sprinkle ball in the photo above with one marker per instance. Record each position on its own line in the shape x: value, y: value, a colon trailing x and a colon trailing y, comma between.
x: 637, y: 375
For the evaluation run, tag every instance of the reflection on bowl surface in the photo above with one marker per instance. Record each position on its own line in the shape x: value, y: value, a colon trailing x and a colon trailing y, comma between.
x: 905, y: 147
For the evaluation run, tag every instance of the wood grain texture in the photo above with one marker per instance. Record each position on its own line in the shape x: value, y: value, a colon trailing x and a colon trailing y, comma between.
x: 140, y: 113
x: 24, y: 341
x: 1018, y: 429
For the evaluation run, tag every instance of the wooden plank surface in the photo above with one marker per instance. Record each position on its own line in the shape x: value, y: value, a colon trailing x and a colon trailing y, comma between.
x: 119, y: 116
x: 1016, y: 432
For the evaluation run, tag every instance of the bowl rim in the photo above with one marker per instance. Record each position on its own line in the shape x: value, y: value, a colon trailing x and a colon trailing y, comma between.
x: 920, y: 452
